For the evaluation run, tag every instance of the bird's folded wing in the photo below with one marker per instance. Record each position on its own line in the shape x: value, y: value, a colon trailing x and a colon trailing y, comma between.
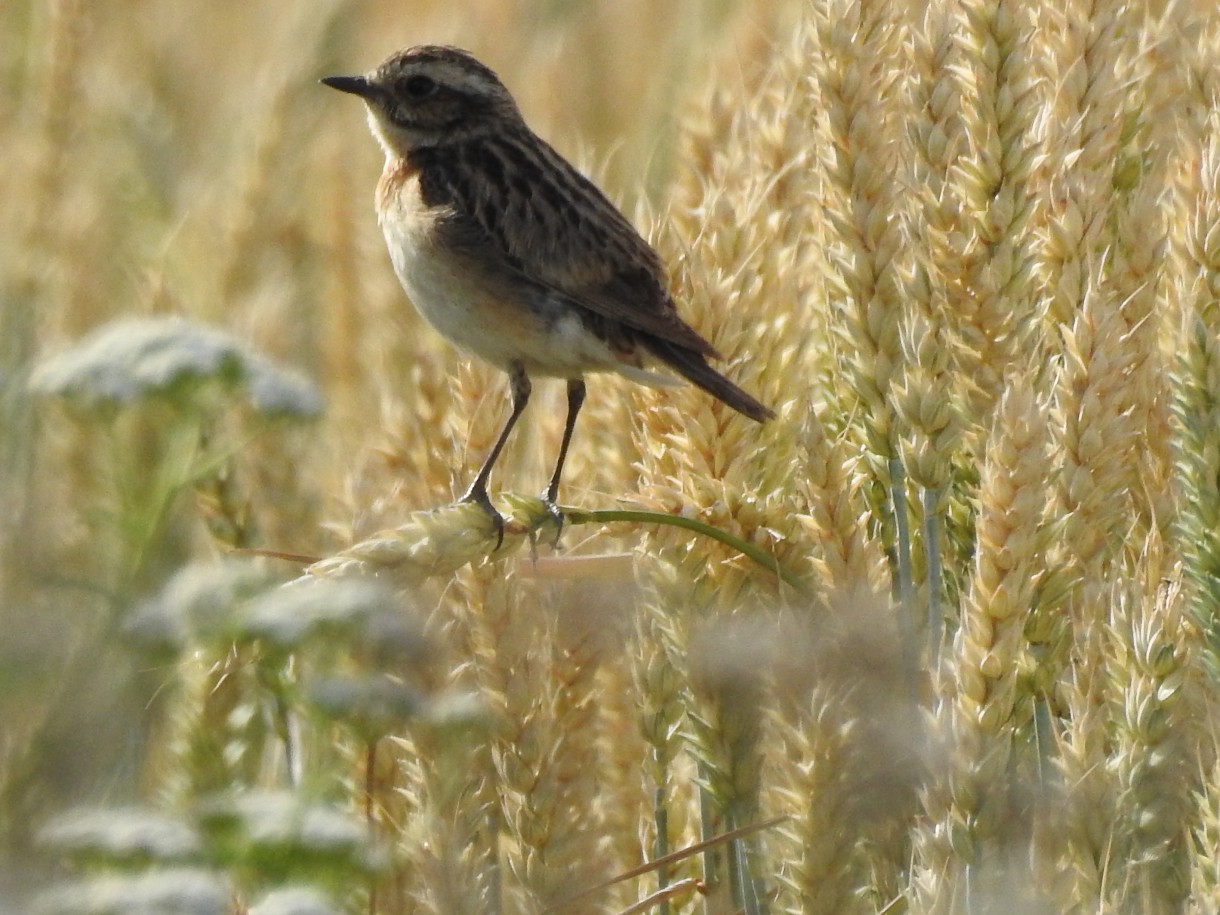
x: 560, y: 232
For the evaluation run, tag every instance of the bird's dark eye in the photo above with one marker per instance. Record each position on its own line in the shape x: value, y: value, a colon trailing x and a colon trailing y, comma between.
x: 417, y: 86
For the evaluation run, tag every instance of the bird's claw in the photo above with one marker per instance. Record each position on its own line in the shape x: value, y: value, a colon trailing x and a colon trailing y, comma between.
x: 555, y: 513
x: 480, y: 498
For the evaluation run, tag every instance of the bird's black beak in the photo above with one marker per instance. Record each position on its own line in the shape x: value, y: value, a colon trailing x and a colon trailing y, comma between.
x: 356, y: 85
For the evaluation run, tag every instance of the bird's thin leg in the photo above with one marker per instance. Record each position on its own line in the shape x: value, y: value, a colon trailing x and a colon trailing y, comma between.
x: 519, y: 390
x: 576, y: 397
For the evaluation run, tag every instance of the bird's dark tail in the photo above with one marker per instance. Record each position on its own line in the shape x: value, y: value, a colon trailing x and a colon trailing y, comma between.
x: 694, y: 368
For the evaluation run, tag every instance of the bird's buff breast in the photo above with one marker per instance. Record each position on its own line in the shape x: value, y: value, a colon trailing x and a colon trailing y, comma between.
x: 476, y: 310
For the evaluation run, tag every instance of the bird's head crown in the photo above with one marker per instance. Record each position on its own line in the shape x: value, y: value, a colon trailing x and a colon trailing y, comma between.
x: 429, y: 95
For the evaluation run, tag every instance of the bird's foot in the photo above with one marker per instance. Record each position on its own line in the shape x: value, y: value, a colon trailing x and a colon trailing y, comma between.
x: 478, y: 495
x: 556, y: 514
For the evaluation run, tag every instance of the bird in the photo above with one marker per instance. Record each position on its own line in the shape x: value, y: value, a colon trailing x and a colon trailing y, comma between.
x: 512, y: 254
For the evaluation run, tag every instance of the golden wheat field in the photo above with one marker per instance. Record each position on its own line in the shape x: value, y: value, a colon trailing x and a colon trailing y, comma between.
x: 942, y: 637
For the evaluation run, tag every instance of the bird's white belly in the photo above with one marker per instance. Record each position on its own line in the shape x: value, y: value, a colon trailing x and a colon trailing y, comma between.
x: 448, y: 298
x: 479, y: 313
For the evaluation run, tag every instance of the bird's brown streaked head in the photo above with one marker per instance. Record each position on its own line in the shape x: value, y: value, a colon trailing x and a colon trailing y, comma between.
x: 429, y: 95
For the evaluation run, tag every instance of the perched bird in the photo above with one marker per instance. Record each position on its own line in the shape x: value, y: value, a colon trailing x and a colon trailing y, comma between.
x: 510, y: 252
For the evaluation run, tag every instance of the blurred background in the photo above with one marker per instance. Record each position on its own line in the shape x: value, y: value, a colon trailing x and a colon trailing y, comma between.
x: 171, y: 158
